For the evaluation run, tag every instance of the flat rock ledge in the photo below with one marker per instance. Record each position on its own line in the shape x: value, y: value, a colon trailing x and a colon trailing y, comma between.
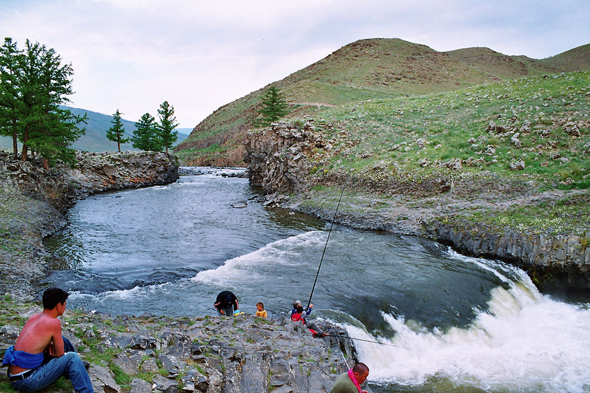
x: 208, y: 354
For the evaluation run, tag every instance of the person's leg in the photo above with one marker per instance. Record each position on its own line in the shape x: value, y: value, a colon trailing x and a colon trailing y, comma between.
x: 69, y: 364
x: 312, y: 325
x: 228, y: 311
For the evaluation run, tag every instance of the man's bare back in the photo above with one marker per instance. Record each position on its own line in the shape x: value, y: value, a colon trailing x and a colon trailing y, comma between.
x: 41, y: 332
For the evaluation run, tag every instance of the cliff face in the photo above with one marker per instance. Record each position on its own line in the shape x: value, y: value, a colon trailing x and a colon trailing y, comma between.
x: 94, y: 172
x: 553, y: 261
x: 33, y: 199
x: 282, y: 160
x: 278, y: 157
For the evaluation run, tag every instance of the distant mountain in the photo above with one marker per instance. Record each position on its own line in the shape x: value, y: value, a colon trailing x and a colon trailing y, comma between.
x: 95, y: 139
x: 362, y: 70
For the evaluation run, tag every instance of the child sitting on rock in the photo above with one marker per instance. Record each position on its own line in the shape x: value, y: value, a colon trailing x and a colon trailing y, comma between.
x: 313, y: 328
x: 261, y: 311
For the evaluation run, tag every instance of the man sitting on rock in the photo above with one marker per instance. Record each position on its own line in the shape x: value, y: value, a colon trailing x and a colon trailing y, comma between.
x: 41, y: 354
x: 351, y: 381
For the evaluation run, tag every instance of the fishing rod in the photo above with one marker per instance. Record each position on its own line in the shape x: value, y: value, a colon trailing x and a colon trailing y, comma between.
x: 368, y: 341
x: 326, y: 245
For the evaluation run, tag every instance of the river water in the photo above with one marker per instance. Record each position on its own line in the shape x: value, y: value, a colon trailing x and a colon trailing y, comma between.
x: 431, y: 320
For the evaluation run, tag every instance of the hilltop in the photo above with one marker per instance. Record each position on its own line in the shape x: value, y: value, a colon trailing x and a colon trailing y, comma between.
x: 364, y: 70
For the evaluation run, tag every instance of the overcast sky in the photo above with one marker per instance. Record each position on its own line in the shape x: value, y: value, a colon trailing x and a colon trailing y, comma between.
x: 198, y: 55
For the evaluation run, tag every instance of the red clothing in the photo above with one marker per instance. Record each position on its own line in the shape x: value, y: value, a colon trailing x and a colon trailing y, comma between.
x: 298, y: 317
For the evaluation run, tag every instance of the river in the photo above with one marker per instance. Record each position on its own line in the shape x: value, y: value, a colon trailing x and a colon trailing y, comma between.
x: 430, y: 320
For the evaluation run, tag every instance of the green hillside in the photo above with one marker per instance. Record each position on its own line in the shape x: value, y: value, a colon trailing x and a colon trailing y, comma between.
x: 541, y: 122
x: 363, y: 70
x: 95, y: 139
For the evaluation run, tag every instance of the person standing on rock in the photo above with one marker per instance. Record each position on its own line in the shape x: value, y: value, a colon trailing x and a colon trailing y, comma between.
x: 351, y: 381
x: 41, y: 354
x: 227, y: 303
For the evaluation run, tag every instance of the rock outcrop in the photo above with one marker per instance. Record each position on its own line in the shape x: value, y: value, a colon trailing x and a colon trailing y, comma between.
x: 62, y: 186
x: 242, y: 354
x: 278, y: 157
x: 553, y: 261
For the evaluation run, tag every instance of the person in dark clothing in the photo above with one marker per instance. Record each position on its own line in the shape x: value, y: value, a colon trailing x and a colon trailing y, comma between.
x: 227, y: 303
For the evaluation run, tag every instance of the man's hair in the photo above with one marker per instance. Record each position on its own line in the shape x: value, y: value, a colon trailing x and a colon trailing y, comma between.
x: 299, y: 309
x: 360, y: 368
x: 54, y: 296
x: 260, y: 304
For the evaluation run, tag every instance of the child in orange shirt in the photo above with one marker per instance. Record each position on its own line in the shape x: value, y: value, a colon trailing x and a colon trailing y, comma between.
x: 261, y: 311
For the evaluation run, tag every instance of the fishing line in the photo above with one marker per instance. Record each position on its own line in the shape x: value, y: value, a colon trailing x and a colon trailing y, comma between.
x: 368, y: 341
x: 325, y: 246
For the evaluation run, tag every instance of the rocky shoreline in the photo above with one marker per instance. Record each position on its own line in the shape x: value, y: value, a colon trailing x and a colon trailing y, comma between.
x: 243, y: 354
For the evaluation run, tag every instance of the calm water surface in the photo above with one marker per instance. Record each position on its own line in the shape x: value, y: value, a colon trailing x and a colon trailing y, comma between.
x: 446, y: 323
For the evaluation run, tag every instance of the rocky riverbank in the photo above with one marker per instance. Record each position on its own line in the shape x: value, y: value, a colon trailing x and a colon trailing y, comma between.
x: 291, y: 163
x: 148, y: 354
x: 33, y: 200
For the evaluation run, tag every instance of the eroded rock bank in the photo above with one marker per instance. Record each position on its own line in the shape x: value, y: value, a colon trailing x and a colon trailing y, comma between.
x: 33, y: 200
x: 292, y: 165
x: 242, y: 354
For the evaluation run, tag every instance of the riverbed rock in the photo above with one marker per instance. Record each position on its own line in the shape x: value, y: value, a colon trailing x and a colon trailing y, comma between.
x: 102, y: 380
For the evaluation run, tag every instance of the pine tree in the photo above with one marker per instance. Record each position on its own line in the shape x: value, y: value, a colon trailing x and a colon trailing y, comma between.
x: 274, y: 107
x: 34, y: 86
x: 117, y: 131
x: 145, y: 136
x: 167, y: 125
x: 9, y: 92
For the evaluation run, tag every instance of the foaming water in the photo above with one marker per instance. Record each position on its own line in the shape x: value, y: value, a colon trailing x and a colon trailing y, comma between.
x: 524, y: 342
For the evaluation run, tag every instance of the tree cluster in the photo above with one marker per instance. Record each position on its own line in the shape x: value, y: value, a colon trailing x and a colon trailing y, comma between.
x: 34, y: 84
x: 148, y: 135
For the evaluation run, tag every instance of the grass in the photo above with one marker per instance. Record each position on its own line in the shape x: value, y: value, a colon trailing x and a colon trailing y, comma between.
x: 567, y: 215
x: 440, y: 128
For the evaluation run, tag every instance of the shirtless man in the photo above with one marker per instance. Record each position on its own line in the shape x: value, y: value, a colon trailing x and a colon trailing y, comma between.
x: 41, y: 355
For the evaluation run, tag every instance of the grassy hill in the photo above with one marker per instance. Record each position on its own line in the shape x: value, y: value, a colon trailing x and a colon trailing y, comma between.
x: 95, y: 139
x: 363, y: 70
x: 543, y: 122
